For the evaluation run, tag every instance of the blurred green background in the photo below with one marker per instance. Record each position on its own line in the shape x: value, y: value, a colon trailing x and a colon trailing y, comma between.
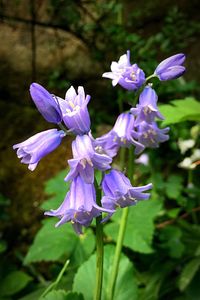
x: 59, y: 43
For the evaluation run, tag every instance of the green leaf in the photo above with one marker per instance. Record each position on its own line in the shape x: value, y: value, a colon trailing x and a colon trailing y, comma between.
x: 126, y: 288
x: 174, y: 186
x: 187, y: 109
x: 51, y: 243
x: 171, y: 237
x: 13, y: 283
x: 188, y: 273
x: 55, y: 295
x: 140, y: 227
x: 57, y: 188
x: 34, y: 295
x: 74, y: 296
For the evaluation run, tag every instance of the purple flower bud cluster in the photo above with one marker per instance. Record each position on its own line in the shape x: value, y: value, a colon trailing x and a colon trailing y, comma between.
x: 137, y: 128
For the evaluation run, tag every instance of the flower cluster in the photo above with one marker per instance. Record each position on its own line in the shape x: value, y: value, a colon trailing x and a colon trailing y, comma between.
x: 137, y: 128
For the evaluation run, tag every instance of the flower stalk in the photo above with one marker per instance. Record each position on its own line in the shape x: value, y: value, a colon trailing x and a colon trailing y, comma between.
x: 99, y: 248
x: 121, y: 234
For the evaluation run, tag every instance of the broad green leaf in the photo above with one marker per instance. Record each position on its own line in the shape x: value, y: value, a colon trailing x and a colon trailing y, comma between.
x: 51, y: 243
x: 57, y: 188
x: 140, y: 227
x: 126, y: 288
x: 74, y: 296
x: 174, y: 186
x: 187, y: 109
x: 171, y: 237
x: 62, y: 295
x: 13, y: 283
x: 34, y: 295
x: 188, y: 273
x: 55, y: 295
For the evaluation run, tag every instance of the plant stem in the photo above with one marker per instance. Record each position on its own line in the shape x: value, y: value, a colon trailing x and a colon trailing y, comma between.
x: 54, y: 284
x: 99, y: 249
x: 151, y: 76
x: 121, y: 233
x: 118, y: 249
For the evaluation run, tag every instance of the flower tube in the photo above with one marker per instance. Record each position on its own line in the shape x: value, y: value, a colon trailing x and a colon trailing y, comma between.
x: 39, y: 145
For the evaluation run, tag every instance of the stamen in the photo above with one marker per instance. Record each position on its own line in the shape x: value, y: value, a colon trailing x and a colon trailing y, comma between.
x: 133, y: 76
x: 145, y: 135
x: 83, y: 162
x: 123, y: 140
x: 71, y: 104
x: 89, y: 162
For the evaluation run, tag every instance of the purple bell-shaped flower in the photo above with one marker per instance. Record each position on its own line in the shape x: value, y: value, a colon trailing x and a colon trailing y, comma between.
x: 171, y: 68
x: 79, y: 206
x: 46, y: 103
x: 39, y: 145
x: 86, y: 159
x: 118, y: 191
x: 130, y: 77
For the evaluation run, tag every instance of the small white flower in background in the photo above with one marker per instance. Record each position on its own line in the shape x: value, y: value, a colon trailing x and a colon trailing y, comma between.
x: 184, y: 145
x: 192, y: 161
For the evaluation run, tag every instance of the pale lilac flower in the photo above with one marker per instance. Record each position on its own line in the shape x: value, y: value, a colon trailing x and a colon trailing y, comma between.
x: 36, y: 147
x: 46, y: 103
x: 150, y: 135
x: 74, y: 110
x: 130, y: 77
x: 79, y: 206
x: 123, y: 132
x: 106, y: 144
x: 171, y: 68
x: 147, y: 109
x: 118, y: 191
x: 86, y: 159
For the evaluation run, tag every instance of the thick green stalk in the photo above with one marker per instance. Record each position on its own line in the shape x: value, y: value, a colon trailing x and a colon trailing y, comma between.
x: 99, y: 249
x: 121, y: 233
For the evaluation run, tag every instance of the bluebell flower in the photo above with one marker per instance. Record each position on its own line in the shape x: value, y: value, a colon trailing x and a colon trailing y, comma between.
x: 150, y: 135
x: 147, y: 109
x: 85, y: 159
x: 130, y: 77
x: 106, y: 145
x: 171, y: 68
x: 39, y: 145
x: 79, y: 206
x: 74, y: 110
x: 118, y: 191
x: 46, y: 103
x: 123, y: 133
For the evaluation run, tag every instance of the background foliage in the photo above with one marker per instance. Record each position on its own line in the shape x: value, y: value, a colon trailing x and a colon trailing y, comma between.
x: 161, y: 251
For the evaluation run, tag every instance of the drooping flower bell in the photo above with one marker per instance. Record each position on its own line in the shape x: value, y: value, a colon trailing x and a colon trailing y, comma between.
x: 46, y: 103
x: 106, y: 145
x: 150, y: 135
x: 130, y: 77
x: 74, y: 110
x: 86, y: 159
x: 39, y: 145
x: 147, y: 109
x: 171, y: 68
x: 123, y: 133
x: 79, y: 206
x: 118, y: 191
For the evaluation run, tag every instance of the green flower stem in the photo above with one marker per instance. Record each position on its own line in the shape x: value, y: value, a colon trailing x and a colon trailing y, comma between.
x: 121, y: 233
x: 54, y: 284
x: 122, y: 157
x: 151, y: 76
x: 99, y: 249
